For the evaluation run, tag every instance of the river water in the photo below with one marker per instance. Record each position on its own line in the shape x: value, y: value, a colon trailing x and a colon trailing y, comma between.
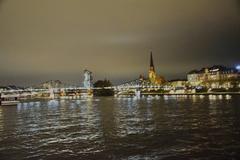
x: 161, y: 127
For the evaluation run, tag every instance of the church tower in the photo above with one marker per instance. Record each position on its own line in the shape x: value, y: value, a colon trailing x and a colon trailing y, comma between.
x: 151, y: 63
x: 152, y: 73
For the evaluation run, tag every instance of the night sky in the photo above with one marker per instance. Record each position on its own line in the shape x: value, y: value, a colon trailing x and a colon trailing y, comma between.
x: 42, y: 40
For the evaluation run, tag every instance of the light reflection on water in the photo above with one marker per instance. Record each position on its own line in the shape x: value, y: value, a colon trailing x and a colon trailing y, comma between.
x: 150, y: 127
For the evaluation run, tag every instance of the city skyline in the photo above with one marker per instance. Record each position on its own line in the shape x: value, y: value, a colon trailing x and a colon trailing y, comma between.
x: 45, y: 40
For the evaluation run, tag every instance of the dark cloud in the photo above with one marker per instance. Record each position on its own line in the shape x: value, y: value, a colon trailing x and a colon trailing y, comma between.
x: 58, y: 39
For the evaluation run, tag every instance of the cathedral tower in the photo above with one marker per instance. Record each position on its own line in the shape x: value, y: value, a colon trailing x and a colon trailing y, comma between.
x: 152, y: 73
x: 151, y: 63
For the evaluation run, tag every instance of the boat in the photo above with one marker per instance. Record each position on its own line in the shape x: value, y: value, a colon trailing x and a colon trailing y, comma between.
x: 9, y: 100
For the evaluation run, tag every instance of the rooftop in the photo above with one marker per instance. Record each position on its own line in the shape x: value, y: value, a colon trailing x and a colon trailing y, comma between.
x: 215, y: 68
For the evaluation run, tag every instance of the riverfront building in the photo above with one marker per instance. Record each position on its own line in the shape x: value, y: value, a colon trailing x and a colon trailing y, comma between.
x: 214, y: 77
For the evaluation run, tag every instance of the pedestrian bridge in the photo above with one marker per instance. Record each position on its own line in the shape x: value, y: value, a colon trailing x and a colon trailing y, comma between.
x: 130, y: 87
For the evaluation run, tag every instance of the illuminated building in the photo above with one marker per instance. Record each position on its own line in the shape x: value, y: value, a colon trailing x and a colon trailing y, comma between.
x: 215, y: 77
x: 178, y: 83
x: 151, y: 73
x: 87, y: 83
x: 153, y: 77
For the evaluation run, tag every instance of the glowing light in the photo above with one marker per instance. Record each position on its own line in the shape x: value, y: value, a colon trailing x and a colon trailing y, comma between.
x: 238, y: 67
x: 228, y: 96
x: 214, y: 70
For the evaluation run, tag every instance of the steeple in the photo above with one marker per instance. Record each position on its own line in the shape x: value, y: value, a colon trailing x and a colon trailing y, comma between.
x: 151, y: 63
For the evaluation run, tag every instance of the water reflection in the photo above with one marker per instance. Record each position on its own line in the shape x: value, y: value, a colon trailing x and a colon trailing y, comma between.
x: 150, y: 127
x: 1, y: 120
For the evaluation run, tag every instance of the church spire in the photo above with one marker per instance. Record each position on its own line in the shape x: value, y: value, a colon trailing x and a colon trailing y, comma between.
x: 151, y: 62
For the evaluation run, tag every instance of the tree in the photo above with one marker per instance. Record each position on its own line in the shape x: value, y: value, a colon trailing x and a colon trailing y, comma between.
x: 102, y: 83
x: 103, y: 91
